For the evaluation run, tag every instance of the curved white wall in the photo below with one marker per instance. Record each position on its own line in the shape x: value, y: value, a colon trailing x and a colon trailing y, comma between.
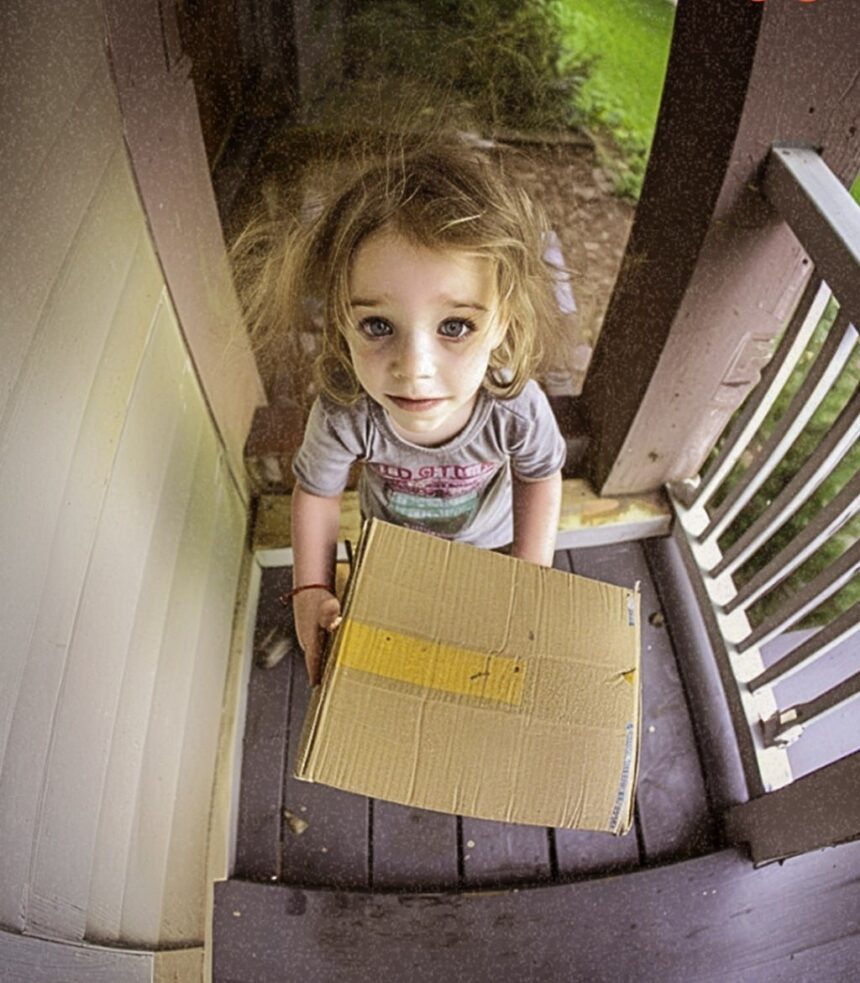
x: 121, y: 529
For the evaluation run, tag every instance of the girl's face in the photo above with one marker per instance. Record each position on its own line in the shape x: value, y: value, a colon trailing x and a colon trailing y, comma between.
x: 424, y: 325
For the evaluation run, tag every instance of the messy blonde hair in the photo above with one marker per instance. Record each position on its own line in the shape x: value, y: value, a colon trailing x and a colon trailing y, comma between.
x: 438, y: 195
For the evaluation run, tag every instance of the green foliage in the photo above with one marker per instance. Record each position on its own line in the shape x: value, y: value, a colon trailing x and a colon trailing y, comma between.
x: 626, y: 44
x: 815, y: 431
x: 503, y: 60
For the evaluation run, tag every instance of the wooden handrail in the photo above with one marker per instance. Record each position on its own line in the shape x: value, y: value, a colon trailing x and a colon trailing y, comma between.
x: 823, y: 216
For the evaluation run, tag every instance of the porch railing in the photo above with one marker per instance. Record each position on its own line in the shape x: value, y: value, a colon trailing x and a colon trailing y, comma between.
x: 779, y: 566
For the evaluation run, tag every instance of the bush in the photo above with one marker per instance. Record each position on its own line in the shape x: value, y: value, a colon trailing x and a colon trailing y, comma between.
x: 503, y: 61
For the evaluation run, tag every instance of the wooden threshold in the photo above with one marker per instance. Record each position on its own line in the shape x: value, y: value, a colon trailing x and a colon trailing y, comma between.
x: 586, y: 518
x: 711, y: 918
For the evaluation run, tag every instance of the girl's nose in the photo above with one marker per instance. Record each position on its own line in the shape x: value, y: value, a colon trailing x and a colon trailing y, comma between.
x: 413, y: 359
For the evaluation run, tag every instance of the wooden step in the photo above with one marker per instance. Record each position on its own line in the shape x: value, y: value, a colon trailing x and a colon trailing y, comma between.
x: 586, y: 520
x: 713, y: 918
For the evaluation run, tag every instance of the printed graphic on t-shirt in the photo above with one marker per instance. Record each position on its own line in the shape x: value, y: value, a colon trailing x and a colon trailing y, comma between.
x: 440, y: 498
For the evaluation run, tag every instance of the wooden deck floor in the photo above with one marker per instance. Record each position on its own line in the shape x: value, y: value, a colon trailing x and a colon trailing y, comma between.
x: 311, y: 835
x: 330, y: 885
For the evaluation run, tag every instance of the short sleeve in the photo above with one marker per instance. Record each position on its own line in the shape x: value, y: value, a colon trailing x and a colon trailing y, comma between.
x: 537, y: 448
x: 332, y: 442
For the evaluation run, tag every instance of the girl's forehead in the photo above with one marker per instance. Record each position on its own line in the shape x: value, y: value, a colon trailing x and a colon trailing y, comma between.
x: 389, y: 259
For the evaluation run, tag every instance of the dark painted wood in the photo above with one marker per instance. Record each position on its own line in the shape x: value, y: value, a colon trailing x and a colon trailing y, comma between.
x: 710, y: 273
x: 673, y: 812
x: 713, y: 918
x: 333, y: 849
x: 710, y: 61
x: 818, y: 809
x: 258, y: 848
x: 413, y: 847
x: 708, y: 705
x: 562, y: 561
x: 819, y: 209
x: 582, y: 853
x: 503, y: 853
x: 164, y: 142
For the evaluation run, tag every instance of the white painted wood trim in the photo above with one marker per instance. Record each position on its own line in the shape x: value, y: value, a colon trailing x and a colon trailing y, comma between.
x: 807, y: 599
x: 814, y: 471
x: 829, y: 521
x: 830, y: 361
x: 223, y: 825
x: 772, y: 763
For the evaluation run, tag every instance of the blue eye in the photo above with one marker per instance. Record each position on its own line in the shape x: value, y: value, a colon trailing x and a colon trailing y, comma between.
x: 456, y: 329
x: 375, y: 327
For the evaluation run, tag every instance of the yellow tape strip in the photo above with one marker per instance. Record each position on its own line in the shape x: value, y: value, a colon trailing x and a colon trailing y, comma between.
x: 432, y: 665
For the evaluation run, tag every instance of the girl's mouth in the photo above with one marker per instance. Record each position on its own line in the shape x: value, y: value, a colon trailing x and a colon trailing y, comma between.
x: 415, y: 405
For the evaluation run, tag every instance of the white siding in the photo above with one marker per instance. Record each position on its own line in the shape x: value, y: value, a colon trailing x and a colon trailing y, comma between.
x: 121, y: 530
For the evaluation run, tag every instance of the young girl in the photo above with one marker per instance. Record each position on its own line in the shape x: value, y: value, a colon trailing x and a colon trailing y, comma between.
x: 429, y: 266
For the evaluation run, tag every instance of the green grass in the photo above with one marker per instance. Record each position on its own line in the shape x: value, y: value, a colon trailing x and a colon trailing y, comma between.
x: 626, y: 43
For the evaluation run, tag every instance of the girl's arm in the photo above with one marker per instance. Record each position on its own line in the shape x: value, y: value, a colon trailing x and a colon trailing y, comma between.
x: 315, y: 526
x: 537, y: 506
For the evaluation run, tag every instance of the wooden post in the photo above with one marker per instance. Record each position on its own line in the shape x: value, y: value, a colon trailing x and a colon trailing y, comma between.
x: 168, y: 158
x: 710, y: 273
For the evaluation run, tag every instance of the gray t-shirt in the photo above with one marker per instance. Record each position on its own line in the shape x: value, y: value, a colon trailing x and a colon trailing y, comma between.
x: 459, y: 490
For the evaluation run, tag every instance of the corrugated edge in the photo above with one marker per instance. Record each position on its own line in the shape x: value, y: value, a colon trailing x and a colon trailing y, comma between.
x: 318, y: 702
x: 627, y: 822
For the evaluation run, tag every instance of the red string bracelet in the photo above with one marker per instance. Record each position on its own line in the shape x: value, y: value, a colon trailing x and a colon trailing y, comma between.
x: 285, y: 597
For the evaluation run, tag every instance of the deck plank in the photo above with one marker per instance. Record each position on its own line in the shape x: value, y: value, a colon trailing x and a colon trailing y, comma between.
x: 715, y: 918
x: 672, y: 807
x: 333, y: 848
x: 497, y: 853
x: 413, y: 848
x: 582, y: 852
x: 258, y: 848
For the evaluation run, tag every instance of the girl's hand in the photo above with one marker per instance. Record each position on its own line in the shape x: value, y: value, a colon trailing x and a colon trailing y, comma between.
x: 314, y: 611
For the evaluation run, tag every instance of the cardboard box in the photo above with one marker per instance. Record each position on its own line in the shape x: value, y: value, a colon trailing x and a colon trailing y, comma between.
x: 469, y: 682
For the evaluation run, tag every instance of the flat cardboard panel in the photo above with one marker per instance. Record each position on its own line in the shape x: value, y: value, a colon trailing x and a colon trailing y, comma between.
x: 407, y: 712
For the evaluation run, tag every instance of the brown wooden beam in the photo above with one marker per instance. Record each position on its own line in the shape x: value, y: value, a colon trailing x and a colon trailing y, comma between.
x: 711, y: 273
x: 818, y: 810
